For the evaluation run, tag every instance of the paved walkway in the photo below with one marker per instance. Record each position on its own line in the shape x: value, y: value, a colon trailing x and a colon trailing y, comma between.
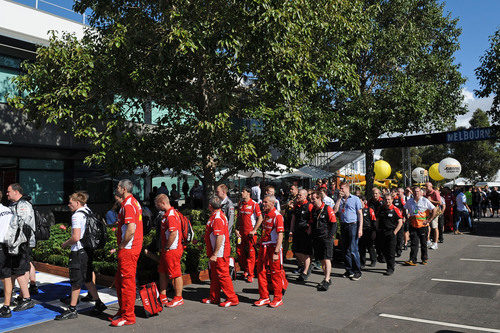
x: 51, y: 288
x: 458, y: 291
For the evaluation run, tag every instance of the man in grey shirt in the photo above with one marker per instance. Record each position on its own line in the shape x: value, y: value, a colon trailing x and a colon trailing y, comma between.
x: 227, y: 205
x: 19, y: 244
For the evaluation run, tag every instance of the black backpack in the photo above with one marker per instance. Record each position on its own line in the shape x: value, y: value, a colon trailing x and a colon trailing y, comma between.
x: 95, y: 236
x: 42, y: 227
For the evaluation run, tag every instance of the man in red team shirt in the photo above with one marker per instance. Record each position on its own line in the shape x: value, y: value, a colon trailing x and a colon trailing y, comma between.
x: 219, y: 250
x: 129, y: 237
x: 248, y: 216
x: 271, y: 254
x: 171, y: 252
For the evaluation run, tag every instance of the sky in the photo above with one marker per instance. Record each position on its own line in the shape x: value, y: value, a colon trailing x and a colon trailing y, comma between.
x: 478, y: 19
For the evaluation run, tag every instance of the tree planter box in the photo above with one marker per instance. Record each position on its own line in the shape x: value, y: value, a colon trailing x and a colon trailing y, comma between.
x: 102, y: 280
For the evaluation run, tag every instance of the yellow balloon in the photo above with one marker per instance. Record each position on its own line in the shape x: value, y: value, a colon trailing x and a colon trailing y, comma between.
x: 399, y: 175
x: 434, y: 172
x: 382, y: 170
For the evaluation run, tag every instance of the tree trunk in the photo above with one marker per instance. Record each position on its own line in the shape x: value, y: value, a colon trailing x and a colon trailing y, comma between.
x: 370, y: 173
x: 208, y: 180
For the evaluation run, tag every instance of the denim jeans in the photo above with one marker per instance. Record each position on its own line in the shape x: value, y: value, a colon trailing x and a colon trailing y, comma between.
x: 349, y: 233
x: 463, y: 215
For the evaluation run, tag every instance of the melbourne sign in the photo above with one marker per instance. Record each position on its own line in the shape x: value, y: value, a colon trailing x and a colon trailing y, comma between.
x: 470, y: 135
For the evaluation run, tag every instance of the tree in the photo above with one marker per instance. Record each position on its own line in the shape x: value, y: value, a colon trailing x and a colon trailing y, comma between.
x: 488, y: 74
x: 231, y: 81
x: 408, y: 81
x: 480, y: 160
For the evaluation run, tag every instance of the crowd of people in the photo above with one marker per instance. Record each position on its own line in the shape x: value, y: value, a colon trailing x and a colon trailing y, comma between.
x: 383, y: 226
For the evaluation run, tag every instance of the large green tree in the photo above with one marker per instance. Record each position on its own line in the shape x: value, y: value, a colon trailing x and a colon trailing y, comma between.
x: 231, y: 81
x: 408, y: 79
x: 488, y: 74
x: 480, y: 160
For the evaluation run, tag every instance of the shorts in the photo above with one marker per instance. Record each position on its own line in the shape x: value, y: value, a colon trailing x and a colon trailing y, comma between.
x: 170, y: 263
x: 81, y: 267
x: 20, y: 263
x: 302, y: 243
x: 434, y: 223
x: 323, y: 248
x: 5, y: 269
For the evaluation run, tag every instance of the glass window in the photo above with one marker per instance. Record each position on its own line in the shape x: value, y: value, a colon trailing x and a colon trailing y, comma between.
x: 41, y: 164
x: 98, y: 185
x: 44, y: 187
x: 10, y: 62
x: 6, y: 85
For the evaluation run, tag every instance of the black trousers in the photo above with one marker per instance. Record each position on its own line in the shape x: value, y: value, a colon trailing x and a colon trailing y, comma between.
x: 367, y: 243
x: 441, y: 227
x: 418, y: 235
x: 400, y: 240
x: 389, y: 248
x: 379, y: 245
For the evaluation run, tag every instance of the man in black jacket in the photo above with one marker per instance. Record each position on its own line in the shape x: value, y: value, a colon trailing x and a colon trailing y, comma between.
x: 390, y: 220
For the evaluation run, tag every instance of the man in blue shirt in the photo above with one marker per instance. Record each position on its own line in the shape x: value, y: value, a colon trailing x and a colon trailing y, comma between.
x: 463, y: 211
x: 351, y: 217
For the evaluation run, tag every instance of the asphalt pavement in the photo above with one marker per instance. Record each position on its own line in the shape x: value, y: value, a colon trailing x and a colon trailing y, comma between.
x: 458, y: 291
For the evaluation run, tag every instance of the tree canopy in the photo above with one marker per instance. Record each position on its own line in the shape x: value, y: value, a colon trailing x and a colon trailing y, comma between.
x: 226, y: 82
x: 408, y: 81
x: 480, y: 159
x: 488, y: 74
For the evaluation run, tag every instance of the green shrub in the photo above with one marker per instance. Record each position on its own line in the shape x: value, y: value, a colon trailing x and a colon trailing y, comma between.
x: 50, y: 251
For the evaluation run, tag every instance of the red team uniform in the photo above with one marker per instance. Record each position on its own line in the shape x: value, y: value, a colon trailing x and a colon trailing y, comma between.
x: 248, y: 213
x: 170, y: 259
x: 449, y: 200
x: 272, y: 225
x: 130, y: 212
x: 219, y: 270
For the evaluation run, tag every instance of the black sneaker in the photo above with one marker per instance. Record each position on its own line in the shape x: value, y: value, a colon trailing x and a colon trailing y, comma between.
x: 68, y: 314
x: 356, y: 276
x: 388, y: 272
x: 99, y: 306
x: 5, y: 312
x: 348, y: 275
x: 16, y: 301
x: 25, y: 304
x: 33, y: 289
x: 302, y: 277
x: 324, y: 285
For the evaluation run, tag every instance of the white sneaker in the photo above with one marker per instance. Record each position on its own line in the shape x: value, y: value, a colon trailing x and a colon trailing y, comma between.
x: 429, y: 243
x: 434, y: 246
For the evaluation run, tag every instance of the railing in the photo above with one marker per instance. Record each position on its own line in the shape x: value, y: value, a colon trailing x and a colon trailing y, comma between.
x: 56, y: 9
